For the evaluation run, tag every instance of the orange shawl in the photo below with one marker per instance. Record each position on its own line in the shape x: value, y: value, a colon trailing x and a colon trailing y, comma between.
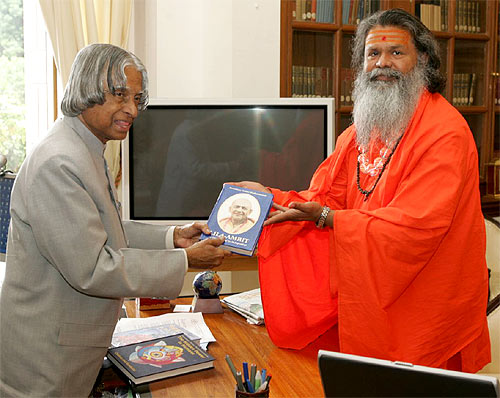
x: 403, y: 273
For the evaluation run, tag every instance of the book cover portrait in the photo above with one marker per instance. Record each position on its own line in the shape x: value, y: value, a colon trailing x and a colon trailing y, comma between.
x: 238, y: 213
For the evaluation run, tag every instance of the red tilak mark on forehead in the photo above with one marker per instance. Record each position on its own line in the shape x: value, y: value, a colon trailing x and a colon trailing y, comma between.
x: 383, y: 38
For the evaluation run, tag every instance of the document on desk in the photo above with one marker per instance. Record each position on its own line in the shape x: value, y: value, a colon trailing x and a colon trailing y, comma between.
x: 193, y: 322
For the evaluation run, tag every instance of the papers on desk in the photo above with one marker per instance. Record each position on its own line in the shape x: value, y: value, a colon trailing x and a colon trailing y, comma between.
x: 247, y: 304
x: 193, y: 322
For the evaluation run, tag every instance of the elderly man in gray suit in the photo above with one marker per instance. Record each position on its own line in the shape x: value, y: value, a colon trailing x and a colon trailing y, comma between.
x: 70, y: 258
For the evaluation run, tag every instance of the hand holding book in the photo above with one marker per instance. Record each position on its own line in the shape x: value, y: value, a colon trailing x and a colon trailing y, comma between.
x: 206, y: 254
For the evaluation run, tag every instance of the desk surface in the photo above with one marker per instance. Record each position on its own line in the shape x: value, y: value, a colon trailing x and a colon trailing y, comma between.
x: 294, y: 373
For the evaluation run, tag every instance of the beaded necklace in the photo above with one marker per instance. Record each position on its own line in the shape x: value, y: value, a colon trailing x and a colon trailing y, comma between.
x: 378, y: 167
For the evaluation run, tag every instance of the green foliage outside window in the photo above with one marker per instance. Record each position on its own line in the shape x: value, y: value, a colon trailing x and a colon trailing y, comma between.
x: 12, y: 103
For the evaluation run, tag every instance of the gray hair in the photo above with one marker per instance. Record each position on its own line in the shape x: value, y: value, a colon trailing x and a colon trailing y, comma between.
x: 423, y: 39
x: 100, y: 67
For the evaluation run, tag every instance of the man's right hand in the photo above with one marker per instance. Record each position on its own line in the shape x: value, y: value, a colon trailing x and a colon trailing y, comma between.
x: 206, y: 253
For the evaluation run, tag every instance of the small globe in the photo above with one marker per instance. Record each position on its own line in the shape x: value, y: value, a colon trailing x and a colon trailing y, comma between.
x: 207, y: 284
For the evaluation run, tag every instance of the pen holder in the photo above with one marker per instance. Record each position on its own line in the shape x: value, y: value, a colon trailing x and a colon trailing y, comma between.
x: 260, y: 394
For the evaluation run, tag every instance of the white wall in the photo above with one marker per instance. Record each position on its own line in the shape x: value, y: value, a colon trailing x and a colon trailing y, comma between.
x: 210, y: 49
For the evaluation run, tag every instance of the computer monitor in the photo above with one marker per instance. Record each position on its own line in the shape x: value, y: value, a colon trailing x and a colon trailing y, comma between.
x: 345, y: 375
x: 179, y: 152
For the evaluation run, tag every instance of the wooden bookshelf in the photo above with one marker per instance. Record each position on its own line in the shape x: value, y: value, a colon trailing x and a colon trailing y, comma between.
x: 315, y: 59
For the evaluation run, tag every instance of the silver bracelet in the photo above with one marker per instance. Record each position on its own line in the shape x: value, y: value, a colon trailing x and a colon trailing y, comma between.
x: 322, y: 218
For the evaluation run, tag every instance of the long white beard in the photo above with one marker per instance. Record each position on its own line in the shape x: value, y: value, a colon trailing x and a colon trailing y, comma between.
x: 383, y: 109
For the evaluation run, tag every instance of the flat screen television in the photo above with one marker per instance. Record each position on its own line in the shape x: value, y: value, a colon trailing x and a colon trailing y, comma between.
x: 178, y: 153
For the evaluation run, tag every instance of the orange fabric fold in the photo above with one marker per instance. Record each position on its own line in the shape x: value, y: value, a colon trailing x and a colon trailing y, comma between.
x: 404, y: 272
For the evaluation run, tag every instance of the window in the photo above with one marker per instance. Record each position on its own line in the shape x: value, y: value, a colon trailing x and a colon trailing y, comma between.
x: 12, y: 104
x: 27, y: 81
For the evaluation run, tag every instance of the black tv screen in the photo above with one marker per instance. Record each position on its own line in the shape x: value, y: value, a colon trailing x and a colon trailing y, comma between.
x: 178, y: 155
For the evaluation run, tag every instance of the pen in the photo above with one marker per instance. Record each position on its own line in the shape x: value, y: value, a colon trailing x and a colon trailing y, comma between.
x: 268, y: 379
x: 263, y: 375
x: 253, y: 368
x: 262, y: 387
x: 240, y: 382
x: 245, y: 371
x: 258, y: 380
x: 231, y: 366
x: 250, y: 386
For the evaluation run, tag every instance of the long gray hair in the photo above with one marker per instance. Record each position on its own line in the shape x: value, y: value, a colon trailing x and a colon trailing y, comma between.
x: 95, y: 65
x: 424, y: 42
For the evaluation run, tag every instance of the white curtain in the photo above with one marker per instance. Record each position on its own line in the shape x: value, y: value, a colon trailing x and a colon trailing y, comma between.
x: 72, y: 25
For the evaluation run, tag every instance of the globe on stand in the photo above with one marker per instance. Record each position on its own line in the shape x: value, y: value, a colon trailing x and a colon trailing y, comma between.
x: 207, y: 286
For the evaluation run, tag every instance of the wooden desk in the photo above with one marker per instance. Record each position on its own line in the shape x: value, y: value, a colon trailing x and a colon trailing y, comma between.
x: 294, y: 373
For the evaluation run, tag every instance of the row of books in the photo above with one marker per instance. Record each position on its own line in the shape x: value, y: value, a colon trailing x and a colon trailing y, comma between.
x: 464, y: 87
x: 353, y: 11
x: 314, y: 10
x: 317, y: 81
x: 434, y: 14
x: 312, y: 81
x: 347, y: 77
x: 468, y: 16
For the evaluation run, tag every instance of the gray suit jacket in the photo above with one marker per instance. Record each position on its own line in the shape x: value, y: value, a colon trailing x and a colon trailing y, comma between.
x: 70, y: 260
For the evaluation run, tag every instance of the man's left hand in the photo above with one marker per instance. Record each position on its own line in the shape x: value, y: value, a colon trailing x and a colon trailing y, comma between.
x: 189, y: 234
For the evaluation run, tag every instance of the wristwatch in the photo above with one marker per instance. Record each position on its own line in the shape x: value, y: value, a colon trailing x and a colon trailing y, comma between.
x: 322, y: 218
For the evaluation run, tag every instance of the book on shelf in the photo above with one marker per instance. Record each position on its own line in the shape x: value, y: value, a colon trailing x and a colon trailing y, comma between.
x: 467, y: 18
x: 345, y: 12
x: 325, y: 11
x: 444, y: 14
x: 497, y: 96
x: 471, y: 88
x: 159, y: 358
x: 239, y: 215
x: 127, y: 337
x: 248, y: 304
x: 308, y: 16
x: 464, y: 87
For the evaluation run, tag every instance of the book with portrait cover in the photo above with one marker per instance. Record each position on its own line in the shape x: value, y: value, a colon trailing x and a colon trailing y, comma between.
x: 238, y: 215
x: 159, y: 358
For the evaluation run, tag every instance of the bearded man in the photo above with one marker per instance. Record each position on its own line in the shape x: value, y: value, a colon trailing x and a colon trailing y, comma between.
x: 387, y: 246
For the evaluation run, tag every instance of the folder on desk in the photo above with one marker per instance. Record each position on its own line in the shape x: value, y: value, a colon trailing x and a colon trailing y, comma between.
x: 345, y: 375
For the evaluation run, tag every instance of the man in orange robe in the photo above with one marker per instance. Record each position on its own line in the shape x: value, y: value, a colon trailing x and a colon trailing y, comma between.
x: 400, y: 266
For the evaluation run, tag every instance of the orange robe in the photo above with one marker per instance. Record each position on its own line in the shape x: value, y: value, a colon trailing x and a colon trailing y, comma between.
x: 403, y: 273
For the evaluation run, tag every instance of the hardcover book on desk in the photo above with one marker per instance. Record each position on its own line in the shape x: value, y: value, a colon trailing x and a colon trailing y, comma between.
x: 239, y: 215
x: 160, y: 358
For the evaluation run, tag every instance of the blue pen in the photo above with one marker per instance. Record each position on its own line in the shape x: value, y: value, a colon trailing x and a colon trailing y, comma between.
x: 253, y: 369
x: 263, y: 375
x: 250, y: 387
x: 245, y: 371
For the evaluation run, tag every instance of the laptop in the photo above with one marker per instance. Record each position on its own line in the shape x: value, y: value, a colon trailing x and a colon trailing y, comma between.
x: 345, y: 375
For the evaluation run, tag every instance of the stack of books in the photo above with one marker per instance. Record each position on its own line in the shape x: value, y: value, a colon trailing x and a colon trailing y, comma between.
x: 163, y: 357
x: 247, y: 304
